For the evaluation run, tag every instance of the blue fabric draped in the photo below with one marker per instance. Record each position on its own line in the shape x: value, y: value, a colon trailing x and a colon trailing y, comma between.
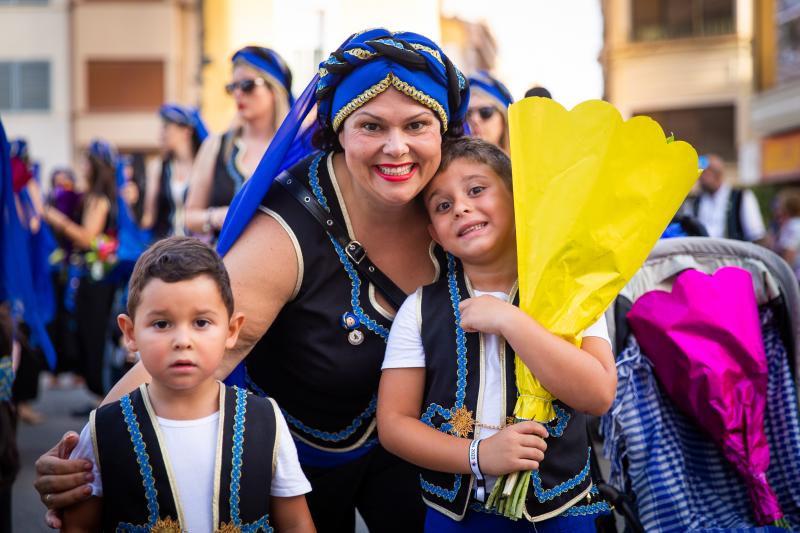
x: 16, y: 281
x: 493, y: 87
x: 40, y: 246
x: 185, y: 116
x: 269, y: 63
x: 133, y: 240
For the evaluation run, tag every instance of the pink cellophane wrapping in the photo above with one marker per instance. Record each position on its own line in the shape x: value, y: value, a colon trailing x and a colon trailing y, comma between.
x: 704, y: 339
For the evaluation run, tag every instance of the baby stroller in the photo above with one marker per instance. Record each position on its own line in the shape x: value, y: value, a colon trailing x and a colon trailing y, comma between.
x: 665, y: 473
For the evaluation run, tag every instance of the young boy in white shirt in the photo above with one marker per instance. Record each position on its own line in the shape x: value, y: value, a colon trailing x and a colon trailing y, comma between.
x: 186, y: 453
x: 447, y: 393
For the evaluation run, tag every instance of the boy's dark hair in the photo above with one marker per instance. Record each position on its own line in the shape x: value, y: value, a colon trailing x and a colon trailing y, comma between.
x: 478, y: 151
x: 178, y: 259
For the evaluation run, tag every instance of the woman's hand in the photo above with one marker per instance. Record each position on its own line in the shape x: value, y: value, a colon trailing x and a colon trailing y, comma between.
x: 486, y: 314
x: 60, y: 481
x: 517, y: 448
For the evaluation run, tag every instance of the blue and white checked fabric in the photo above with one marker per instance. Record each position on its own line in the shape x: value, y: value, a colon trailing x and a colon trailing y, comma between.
x: 681, y: 480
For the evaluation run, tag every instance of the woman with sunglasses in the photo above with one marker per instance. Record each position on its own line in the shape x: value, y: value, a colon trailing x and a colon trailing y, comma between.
x: 320, y: 309
x: 182, y: 133
x: 261, y: 87
x: 488, y: 109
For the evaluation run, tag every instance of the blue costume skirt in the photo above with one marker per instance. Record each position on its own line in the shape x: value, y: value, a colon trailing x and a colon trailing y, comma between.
x: 476, y: 521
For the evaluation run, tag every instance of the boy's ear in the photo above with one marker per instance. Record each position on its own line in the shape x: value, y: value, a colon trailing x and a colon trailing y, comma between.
x: 125, y: 324
x: 234, y: 327
x: 433, y: 234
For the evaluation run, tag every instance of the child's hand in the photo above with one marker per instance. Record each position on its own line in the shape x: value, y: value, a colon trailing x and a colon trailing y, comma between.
x: 486, y: 314
x: 517, y: 448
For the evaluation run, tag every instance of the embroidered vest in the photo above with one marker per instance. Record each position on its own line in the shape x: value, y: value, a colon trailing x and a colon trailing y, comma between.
x: 325, y: 384
x: 227, y: 178
x: 453, y: 364
x: 138, y: 494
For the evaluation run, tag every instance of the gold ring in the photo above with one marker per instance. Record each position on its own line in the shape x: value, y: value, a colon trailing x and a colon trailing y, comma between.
x: 48, y: 498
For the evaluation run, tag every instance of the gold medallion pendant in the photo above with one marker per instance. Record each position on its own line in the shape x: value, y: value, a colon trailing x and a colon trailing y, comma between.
x: 463, y: 422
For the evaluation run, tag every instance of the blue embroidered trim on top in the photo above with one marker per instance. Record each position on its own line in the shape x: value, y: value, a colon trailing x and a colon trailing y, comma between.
x: 544, y: 495
x: 355, y: 280
x: 236, y: 462
x: 368, y: 413
x: 145, y: 470
x: 562, y: 417
x: 233, y: 170
x: 461, y: 383
x: 6, y: 378
x: 339, y: 435
x: 586, y: 510
x: 461, y: 356
x: 239, y: 417
x: 448, y: 495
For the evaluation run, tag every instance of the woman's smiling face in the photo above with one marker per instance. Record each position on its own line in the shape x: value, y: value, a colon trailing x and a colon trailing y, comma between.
x: 392, y: 147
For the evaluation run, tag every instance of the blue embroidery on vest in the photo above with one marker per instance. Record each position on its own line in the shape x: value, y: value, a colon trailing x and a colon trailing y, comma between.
x: 145, y: 470
x: 436, y: 490
x: 544, y: 495
x: 323, y: 435
x: 562, y: 417
x: 355, y: 281
x: 461, y: 383
x: 461, y: 356
x: 236, y: 468
x: 233, y: 171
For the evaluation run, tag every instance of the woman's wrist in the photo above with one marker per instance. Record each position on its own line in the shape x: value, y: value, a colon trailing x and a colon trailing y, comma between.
x: 475, y: 466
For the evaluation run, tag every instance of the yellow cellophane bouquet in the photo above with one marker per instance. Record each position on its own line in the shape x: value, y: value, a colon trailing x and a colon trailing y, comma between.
x: 592, y: 195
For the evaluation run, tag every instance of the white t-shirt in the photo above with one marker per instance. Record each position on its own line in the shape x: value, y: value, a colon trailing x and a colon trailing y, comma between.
x: 405, y: 350
x: 712, y: 212
x: 191, y: 447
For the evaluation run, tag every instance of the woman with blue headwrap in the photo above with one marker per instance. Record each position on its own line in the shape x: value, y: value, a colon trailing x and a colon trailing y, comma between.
x: 262, y: 88
x: 321, y: 309
x: 488, y: 109
x: 92, y: 238
x: 182, y: 133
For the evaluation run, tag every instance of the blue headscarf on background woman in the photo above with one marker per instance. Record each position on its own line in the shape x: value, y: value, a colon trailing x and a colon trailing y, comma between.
x: 366, y: 65
x: 492, y: 87
x: 270, y: 66
x: 16, y: 282
x: 185, y: 116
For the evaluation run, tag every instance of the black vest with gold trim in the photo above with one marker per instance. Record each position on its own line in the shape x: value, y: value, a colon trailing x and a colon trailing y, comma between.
x: 453, y: 384
x: 324, y: 379
x: 138, y: 492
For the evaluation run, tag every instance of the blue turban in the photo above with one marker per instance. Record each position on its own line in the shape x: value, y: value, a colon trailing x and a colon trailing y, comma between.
x: 364, y: 66
x: 103, y: 151
x: 185, y: 116
x: 490, y: 85
x: 372, y: 61
x: 270, y: 65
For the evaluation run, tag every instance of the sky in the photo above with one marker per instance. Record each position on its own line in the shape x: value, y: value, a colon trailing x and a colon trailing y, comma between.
x: 554, y: 43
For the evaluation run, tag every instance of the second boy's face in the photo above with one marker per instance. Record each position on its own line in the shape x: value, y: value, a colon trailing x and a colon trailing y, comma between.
x: 181, y: 331
x: 472, y: 212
